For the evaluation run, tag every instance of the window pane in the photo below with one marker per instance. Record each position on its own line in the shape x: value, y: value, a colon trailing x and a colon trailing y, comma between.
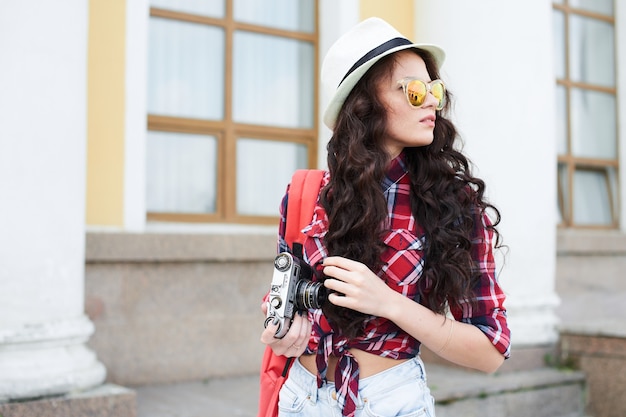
x: 181, y: 173
x: 264, y: 169
x: 185, y: 70
x: 561, y: 120
x: 273, y: 81
x: 591, y: 198
x: 214, y: 8
x: 593, y: 118
x: 591, y: 51
x: 283, y: 14
x: 558, y: 19
x: 598, y: 6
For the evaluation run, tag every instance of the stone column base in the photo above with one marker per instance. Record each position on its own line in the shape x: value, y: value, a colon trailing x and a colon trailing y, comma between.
x: 47, y: 358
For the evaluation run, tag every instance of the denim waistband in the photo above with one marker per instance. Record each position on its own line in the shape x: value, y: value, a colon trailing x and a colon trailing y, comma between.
x: 368, y: 386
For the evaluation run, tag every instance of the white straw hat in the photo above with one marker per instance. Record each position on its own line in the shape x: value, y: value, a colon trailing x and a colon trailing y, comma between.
x: 349, y: 58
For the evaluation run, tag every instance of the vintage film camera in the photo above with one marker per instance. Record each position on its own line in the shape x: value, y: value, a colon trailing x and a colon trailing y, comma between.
x: 292, y: 290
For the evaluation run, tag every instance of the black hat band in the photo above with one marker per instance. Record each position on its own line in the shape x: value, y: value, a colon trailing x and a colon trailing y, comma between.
x: 380, y: 49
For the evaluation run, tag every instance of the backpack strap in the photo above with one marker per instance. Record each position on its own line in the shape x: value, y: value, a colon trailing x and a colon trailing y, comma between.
x: 301, y: 199
x: 302, y: 196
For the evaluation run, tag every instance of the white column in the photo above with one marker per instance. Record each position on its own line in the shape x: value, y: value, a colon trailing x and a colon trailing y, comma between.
x: 620, y: 55
x: 43, y: 329
x: 500, y: 69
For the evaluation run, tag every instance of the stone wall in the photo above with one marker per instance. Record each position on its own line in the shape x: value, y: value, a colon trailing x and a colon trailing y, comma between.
x: 185, y: 306
x: 176, y: 307
x: 603, y: 360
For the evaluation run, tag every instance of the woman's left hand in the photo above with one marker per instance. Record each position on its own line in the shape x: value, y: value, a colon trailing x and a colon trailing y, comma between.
x: 358, y: 287
x: 295, y: 342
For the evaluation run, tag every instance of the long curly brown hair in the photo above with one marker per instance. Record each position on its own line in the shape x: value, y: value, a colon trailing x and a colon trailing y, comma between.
x: 446, y: 199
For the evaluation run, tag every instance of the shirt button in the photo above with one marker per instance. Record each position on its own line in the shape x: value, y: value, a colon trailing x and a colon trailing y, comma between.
x: 334, y: 395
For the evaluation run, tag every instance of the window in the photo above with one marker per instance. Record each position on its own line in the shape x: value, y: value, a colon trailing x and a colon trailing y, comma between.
x: 586, y: 113
x: 232, y: 99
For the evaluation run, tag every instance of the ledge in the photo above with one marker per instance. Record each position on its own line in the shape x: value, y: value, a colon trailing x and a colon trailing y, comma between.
x: 615, y: 327
x: 225, y: 246
x: 178, y: 247
x: 576, y: 242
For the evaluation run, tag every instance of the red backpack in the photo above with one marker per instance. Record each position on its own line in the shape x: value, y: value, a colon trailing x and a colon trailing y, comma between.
x: 302, y: 196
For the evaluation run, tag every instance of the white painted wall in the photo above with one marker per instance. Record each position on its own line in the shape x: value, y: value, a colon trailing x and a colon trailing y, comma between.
x: 500, y: 68
x: 43, y: 46
x: 335, y: 19
x: 136, y: 116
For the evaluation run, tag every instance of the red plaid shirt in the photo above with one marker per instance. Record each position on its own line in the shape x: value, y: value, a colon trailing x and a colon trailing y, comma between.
x: 403, y: 262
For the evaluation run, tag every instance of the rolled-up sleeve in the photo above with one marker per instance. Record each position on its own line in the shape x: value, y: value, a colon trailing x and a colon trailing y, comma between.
x: 486, y: 311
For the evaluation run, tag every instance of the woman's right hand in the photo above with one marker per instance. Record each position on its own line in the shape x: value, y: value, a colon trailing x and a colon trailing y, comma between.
x: 294, y: 343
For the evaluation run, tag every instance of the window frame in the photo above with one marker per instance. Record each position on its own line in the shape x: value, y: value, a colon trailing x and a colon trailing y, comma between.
x: 571, y: 163
x: 227, y: 131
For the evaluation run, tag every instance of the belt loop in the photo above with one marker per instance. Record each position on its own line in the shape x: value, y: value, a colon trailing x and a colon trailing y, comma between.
x: 420, y: 363
x: 313, y: 390
x: 305, y: 380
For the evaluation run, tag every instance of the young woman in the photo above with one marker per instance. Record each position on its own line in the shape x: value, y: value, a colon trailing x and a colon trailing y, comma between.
x: 402, y: 237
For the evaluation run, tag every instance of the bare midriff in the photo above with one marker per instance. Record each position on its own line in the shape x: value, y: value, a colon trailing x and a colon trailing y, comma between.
x: 369, y: 364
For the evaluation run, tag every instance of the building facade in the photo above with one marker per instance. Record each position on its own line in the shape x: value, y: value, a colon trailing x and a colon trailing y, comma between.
x: 155, y: 139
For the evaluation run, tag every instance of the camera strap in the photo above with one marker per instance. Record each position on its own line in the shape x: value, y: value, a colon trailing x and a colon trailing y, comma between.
x: 297, y: 250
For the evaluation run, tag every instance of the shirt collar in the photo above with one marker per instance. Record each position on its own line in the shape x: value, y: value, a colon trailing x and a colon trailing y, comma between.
x: 397, y: 170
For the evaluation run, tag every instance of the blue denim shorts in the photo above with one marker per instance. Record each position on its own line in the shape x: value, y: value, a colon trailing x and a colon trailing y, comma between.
x: 397, y: 391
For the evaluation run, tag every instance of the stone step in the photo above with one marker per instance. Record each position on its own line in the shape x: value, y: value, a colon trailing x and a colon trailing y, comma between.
x: 542, y: 392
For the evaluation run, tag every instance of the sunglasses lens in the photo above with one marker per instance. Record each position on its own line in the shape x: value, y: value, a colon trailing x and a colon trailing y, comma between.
x: 439, y: 91
x: 416, y: 92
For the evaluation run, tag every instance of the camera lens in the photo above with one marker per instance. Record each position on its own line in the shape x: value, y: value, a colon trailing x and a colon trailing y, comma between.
x: 310, y: 294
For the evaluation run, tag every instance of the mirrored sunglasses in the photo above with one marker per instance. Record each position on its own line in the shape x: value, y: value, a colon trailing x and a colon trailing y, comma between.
x: 417, y: 90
